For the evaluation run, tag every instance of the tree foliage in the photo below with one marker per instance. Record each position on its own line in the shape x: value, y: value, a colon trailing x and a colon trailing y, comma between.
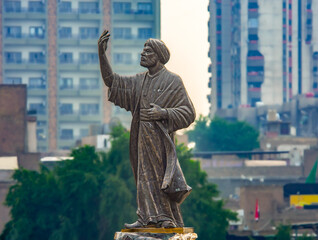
x: 283, y: 232
x: 93, y: 195
x: 221, y: 135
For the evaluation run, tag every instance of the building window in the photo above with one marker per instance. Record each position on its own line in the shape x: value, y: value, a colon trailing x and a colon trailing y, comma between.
x: 144, y: 33
x: 13, y: 32
x: 65, y: 7
x: 255, y: 69
x: 88, y: 83
x: 38, y: 108
x: 12, y: 80
x: 144, y: 8
x: 122, y: 58
x: 36, y: 6
x: 67, y: 134
x: 13, y: 57
x: 87, y: 58
x: 66, y: 83
x: 254, y: 53
x: 66, y: 108
x: 122, y: 8
x: 40, y: 123
x: 36, y: 32
x: 89, y: 108
x: 252, y: 5
x: 65, y: 32
x: 122, y: 33
x: 12, y: 6
x: 36, y: 57
x: 88, y: 33
x: 88, y: 7
x: 253, y: 37
x: 66, y: 57
x: 37, y: 83
x: 40, y: 134
x: 255, y: 85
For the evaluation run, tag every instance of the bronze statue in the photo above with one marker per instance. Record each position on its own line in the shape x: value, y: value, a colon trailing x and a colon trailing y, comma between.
x: 159, y: 105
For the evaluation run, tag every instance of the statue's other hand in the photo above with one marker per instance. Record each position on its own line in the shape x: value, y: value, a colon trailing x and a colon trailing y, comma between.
x: 153, y: 114
x: 102, y: 41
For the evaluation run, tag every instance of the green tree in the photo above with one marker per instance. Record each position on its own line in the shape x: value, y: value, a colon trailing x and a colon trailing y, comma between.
x: 93, y: 195
x: 283, y: 232
x: 33, y: 201
x: 83, y: 198
x: 221, y: 135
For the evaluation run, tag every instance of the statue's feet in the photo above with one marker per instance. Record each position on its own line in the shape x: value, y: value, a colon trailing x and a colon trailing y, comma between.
x: 136, y: 224
x: 167, y: 224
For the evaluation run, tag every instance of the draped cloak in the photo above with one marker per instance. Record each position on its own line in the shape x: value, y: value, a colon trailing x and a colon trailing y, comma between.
x: 152, y: 151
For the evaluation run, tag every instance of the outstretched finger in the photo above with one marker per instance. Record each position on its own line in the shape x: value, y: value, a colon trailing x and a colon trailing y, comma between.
x: 104, y: 38
x: 104, y: 34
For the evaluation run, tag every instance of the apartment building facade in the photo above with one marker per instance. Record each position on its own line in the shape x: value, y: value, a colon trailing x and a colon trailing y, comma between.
x: 261, y: 51
x: 51, y: 46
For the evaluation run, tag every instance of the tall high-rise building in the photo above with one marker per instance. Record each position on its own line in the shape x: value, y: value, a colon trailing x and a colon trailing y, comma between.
x: 51, y: 45
x: 262, y: 51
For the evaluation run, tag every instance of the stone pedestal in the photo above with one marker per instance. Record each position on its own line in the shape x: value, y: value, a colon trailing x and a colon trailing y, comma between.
x: 156, y: 234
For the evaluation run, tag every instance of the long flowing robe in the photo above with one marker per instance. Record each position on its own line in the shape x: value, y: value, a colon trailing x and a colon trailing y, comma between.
x: 152, y: 150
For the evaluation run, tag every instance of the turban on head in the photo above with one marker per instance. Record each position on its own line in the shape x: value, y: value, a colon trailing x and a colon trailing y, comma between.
x: 160, y: 49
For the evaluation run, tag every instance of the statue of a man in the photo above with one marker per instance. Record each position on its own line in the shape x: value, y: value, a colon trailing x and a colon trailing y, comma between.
x: 159, y: 105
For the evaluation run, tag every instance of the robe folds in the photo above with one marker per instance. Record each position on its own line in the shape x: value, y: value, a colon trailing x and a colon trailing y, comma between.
x: 152, y: 151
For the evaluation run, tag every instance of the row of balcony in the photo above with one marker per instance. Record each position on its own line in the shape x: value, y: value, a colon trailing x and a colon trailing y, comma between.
x: 79, y: 92
x: 42, y: 9
x: 67, y: 92
x: 78, y: 117
x: 71, y: 116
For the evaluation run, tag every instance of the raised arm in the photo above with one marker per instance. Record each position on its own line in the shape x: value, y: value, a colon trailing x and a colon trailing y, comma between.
x: 105, y: 68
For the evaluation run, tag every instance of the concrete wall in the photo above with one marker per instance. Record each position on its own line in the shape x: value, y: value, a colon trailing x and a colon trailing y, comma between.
x: 310, y: 157
x: 267, y: 172
x: 29, y: 161
x: 270, y: 45
x: 31, y: 134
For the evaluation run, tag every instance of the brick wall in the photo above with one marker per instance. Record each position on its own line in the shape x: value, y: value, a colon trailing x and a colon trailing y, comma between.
x: 107, y: 107
x: 52, y: 73
x: 12, y: 119
x: 1, y: 9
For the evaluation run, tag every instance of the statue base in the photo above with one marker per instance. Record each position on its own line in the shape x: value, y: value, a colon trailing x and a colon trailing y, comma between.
x: 156, y: 234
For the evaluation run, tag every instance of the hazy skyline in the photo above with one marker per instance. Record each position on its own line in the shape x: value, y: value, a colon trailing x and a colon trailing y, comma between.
x: 184, y: 28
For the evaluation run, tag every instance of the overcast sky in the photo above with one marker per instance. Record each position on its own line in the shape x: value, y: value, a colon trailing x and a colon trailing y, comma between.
x: 184, y: 29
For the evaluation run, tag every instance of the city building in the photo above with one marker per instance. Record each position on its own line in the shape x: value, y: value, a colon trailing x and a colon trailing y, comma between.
x: 18, y: 140
x: 262, y: 51
x: 51, y: 46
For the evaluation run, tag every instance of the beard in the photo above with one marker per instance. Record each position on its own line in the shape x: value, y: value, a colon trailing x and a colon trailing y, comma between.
x: 147, y: 63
